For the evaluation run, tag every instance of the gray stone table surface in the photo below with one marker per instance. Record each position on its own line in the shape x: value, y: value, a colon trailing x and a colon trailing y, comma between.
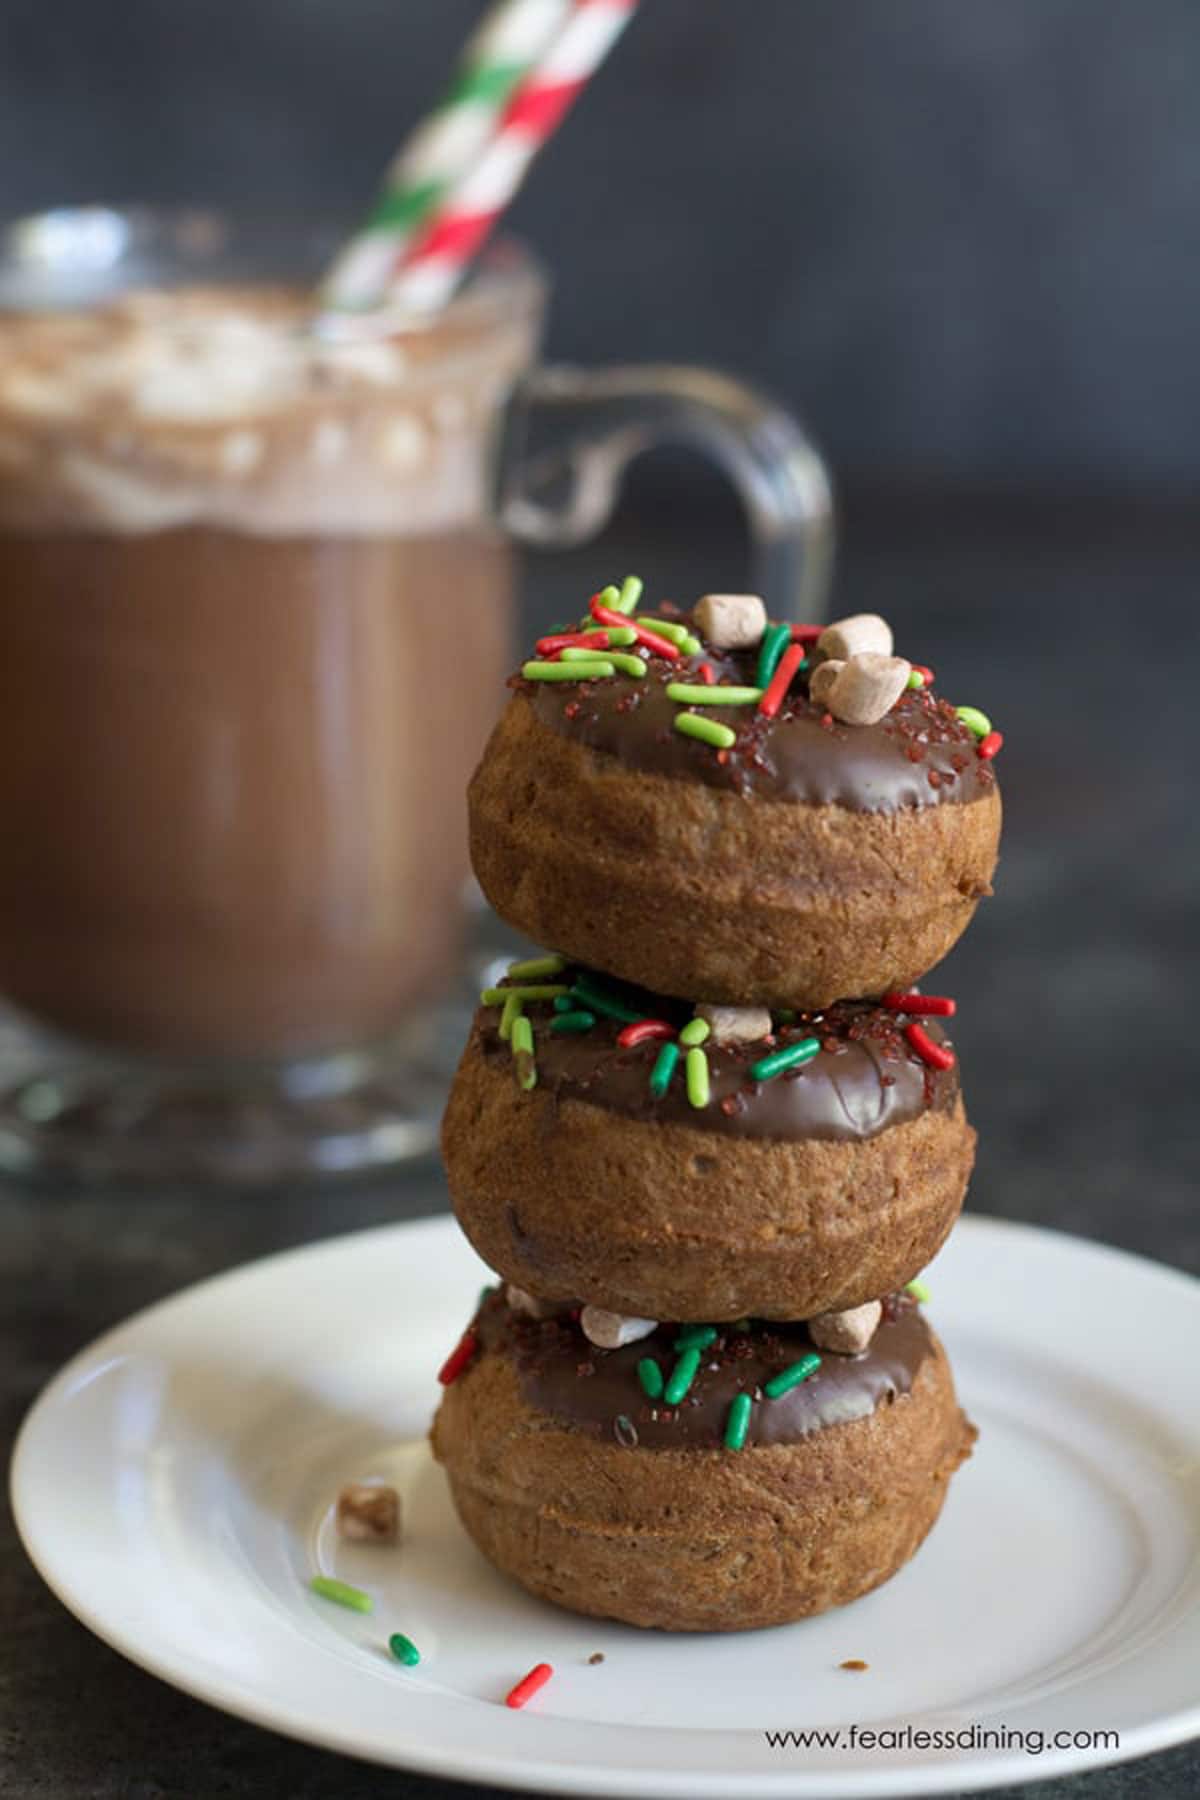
x: 1076, y: 625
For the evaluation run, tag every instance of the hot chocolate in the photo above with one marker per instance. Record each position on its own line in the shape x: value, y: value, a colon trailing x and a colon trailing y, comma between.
x: 253, y: 620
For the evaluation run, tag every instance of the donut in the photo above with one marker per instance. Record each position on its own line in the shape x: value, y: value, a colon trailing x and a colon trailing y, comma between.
x: 571, y: 1479
x: 800, y: 859
x: 575, y: 1173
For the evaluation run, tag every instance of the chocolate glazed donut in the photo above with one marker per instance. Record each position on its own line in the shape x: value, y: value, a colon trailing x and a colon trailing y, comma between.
x: 809, y: 1193
x: 809, y: 860
x: 599, y: 1500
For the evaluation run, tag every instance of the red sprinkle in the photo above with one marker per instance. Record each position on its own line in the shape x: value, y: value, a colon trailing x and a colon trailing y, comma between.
x: 781, y: 680
x: 925, y: 674
x: 806, y: 634
x: 707, y: 674
x: 661, y: 646
x: 529, y: 1684
x: 936, y: 1055
x: 989, y: 745
x: 572, y: 640
x: 643, y: 1029
x: 939, y: 1004
x: 462, y: 1353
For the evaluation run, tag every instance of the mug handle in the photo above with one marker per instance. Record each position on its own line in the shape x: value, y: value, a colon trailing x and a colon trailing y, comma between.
x: 570, y: 433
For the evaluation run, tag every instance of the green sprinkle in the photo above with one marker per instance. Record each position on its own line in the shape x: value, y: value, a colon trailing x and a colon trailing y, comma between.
x: 784, y: 1014
x: 498, y: 996
x: 974, y: 720
x: 628, y: 665
x: 919, y: 1291
x: 775, y: 641
x: 737, y: 1422
x: 533, y: 966
x: 676, y: 634
x: 511, y: 1012
x: 696, y: 1337
x: 572, y: 1024
x: 664, y: 1068
x: 685, y: 694
x: 791, y: 1377
x: 609, y: 596
x: 651, y: 1378
x: 630, y: 594
x: 790, y: 1057
x: 594, y: 669
x: 915, y: 680
x: 707, y: 730
x: 403, y: 1649
x: 694, y: 1032
x: 681, y: 1377
x: 563, y: 1003
x: 342, y: 1593
x: 601, y: 1000
x: 522, y: 1048
x: 620, y: 636
x: 696, y: 1076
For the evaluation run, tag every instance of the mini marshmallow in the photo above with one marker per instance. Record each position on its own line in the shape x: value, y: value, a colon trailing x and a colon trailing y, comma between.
x: 368, y: 1514
x: 851, y: 637
x: 736, y: 1024
x: 522, y: 1302
x: 822, y: 679
x: 867, y: 688
x: 731, y: 621
x: 610, y: 1330
x: 846, y: 1333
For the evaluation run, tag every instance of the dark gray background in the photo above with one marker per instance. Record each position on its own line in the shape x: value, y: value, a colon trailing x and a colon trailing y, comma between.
x: 960, y: 236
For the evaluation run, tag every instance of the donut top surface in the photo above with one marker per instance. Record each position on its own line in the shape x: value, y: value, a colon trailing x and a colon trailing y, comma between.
x: 601, y: 1392
x: 920, y: 754
x: 865, y: 1077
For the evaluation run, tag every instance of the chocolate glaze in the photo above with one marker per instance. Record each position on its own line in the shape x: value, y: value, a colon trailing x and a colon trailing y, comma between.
x: 598, y: 1391
x: 865, y: 1079
x: 919, y: 755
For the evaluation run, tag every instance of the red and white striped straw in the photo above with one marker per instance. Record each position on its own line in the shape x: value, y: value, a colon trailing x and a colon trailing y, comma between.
x: 509, y: 41
x: 431, y: 269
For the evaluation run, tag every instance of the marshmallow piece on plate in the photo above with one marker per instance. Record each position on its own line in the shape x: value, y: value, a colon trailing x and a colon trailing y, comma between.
x: 846, y: 1333
x: 851, y: 637
x: 822, y: 679
x: 735, y: 1024
x: 610, y: 1330
x: 731, y: 621
x: 867, y: 688
x: 368, y: 1513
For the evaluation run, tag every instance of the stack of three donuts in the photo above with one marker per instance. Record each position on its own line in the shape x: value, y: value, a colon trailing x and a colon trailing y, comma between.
x: 704, y: 1395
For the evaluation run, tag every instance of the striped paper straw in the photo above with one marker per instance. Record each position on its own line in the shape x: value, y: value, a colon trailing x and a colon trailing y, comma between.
x: 436, y: 262
x: 508, y: 43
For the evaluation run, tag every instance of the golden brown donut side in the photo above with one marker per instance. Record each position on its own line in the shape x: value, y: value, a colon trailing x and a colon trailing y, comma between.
x: 573, y: 1201
x: 690, y: 890
x: 698, y: 1540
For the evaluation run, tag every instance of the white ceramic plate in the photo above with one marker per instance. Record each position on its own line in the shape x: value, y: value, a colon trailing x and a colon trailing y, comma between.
x: 173, y: 1485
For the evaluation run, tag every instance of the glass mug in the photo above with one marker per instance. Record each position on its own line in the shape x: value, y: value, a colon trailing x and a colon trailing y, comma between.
x: 255, y: 622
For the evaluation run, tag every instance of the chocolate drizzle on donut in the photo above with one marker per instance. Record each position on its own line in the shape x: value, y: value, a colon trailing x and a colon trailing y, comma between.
x: 598, y: 1391
x: 920, y: 754
x: 865, y: 1079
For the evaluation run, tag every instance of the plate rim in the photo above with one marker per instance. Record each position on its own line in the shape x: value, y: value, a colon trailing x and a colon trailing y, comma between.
x: 171, y: 1663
